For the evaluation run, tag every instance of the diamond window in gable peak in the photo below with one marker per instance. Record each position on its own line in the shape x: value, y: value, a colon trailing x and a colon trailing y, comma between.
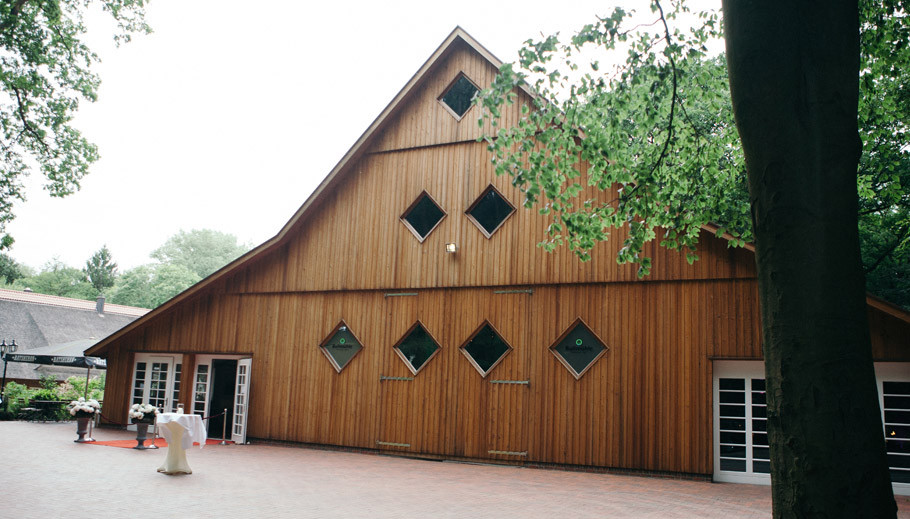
x: 458, y: 97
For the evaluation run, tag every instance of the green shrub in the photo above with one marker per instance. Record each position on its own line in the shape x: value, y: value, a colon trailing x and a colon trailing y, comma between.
x: 74, y: 387
x: 45, y: 394
x: 47, y: 382
x: 13, y: 393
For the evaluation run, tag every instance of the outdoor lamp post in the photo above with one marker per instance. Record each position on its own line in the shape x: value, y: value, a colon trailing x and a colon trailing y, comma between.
x: 4, y: 349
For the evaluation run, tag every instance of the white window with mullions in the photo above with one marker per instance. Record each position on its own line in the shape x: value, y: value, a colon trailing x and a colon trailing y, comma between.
x: 741, y: 453
x: 201, y: 389
x: 893, y: 380
x: 740, y: 423
x: 139, y: 382
x: 175, y: 394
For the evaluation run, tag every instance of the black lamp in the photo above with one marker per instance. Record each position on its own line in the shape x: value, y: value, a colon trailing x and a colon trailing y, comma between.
x: 4, y: 349
x: 8, y: 348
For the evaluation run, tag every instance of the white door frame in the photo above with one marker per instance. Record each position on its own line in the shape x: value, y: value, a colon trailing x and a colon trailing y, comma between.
x: 203, y: 386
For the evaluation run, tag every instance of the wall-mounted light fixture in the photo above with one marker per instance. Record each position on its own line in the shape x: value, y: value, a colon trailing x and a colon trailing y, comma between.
x: 451, y: 248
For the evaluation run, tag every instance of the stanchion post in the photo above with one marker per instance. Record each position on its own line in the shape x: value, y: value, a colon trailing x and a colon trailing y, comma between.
x: 155, y: 429
x: 223, y: 424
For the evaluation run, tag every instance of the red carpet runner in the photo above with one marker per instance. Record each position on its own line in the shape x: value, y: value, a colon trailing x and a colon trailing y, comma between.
x: 159, y: 442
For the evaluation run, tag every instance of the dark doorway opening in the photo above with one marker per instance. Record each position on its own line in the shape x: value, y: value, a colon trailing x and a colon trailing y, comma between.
x: 224, y: 377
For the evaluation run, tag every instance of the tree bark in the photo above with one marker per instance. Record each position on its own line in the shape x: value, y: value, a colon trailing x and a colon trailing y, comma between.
x: 794, y: 70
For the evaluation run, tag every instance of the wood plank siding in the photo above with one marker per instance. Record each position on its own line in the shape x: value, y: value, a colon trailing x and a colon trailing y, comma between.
x: 646, y: 404
x: 356, y: 241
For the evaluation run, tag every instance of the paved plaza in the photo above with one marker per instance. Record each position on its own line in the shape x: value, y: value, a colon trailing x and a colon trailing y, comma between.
x: 46, y: 475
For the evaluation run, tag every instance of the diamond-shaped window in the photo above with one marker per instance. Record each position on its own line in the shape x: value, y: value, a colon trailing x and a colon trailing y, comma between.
x: 485, y: 349
x: 457, y: 98
x: 423, y: 216
x: 416, y: 348
x: 578, y: 348
x: 340, y: 346
x: 490, y: 211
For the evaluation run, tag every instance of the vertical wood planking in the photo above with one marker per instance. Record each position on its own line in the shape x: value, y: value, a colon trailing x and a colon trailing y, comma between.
x: 644, y: 405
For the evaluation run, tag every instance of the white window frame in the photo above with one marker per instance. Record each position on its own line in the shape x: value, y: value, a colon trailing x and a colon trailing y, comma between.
x: 884, y: 372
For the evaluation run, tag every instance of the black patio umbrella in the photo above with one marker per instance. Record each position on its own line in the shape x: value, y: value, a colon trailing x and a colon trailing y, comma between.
x: 70, y: 354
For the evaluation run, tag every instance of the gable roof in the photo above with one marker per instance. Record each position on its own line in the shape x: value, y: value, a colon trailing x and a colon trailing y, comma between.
x: 334, y: 176
x: 67, y: 302
x: 340, y: 171
x: 39, y: 320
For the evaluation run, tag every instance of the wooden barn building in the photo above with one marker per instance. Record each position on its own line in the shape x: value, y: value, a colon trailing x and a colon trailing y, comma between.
x: 406, y: 308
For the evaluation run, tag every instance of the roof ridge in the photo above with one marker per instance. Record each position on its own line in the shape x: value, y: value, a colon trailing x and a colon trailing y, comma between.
x: 22, y: 296
x: 350, y: 157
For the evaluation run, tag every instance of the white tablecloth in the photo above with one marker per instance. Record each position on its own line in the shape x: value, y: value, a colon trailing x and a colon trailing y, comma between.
x: 191, y: 425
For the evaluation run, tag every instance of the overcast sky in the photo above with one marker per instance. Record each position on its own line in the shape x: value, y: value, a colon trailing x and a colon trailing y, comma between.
x: 231, y: 113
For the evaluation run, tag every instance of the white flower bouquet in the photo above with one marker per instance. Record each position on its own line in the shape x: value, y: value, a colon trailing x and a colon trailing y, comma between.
x: 83, y: 408
x: 138, y: 412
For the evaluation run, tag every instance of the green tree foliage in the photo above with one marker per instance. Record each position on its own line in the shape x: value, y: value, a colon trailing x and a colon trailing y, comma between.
x: 184, y: 260
x: 883, y: 178
x: 74, y: 388
x: 888, y: 273
x: 100, y: 270
x: 653, y: 132
x: 201, y: 251
x: 657, y: 129
x: 10, y: 269
x: 57, y: 279
x: 884, y: 169
x: 148, y: 286
x: 45, y: 72
x: 678, y: 165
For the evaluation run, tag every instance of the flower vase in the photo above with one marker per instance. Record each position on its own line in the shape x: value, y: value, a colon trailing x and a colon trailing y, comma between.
x: 82, y: 428
x: 142, y: 429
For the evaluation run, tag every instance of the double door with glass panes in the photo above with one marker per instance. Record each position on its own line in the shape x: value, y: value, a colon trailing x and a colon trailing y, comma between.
x: 741, y: 452
x: 156, y: 381
x: 221, y: 394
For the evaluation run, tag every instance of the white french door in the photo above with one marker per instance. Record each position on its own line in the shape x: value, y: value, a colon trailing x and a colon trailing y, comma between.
x: 741, y: 453
x: 241, y: 398
x: 202, y: 393
x: 893, y: 380
x: 156, y: 380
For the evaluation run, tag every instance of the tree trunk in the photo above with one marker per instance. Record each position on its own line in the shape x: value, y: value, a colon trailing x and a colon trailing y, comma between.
x: 794, y: 71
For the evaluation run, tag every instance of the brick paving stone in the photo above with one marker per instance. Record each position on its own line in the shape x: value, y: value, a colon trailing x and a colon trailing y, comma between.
x: 43, y: 470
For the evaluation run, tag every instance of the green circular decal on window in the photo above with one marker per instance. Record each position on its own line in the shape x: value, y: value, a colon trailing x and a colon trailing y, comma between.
x: 578, y: 342
x: 341, y: 340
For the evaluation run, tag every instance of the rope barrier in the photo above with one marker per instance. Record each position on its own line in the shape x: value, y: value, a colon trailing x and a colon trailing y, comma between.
x: 112, y: 421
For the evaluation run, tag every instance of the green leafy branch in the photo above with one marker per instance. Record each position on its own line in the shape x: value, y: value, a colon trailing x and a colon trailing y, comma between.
x: 618, y: 130
x: 45, y: 71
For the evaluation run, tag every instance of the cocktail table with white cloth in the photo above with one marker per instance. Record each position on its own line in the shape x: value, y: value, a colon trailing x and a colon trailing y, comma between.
x: 180, y: 431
